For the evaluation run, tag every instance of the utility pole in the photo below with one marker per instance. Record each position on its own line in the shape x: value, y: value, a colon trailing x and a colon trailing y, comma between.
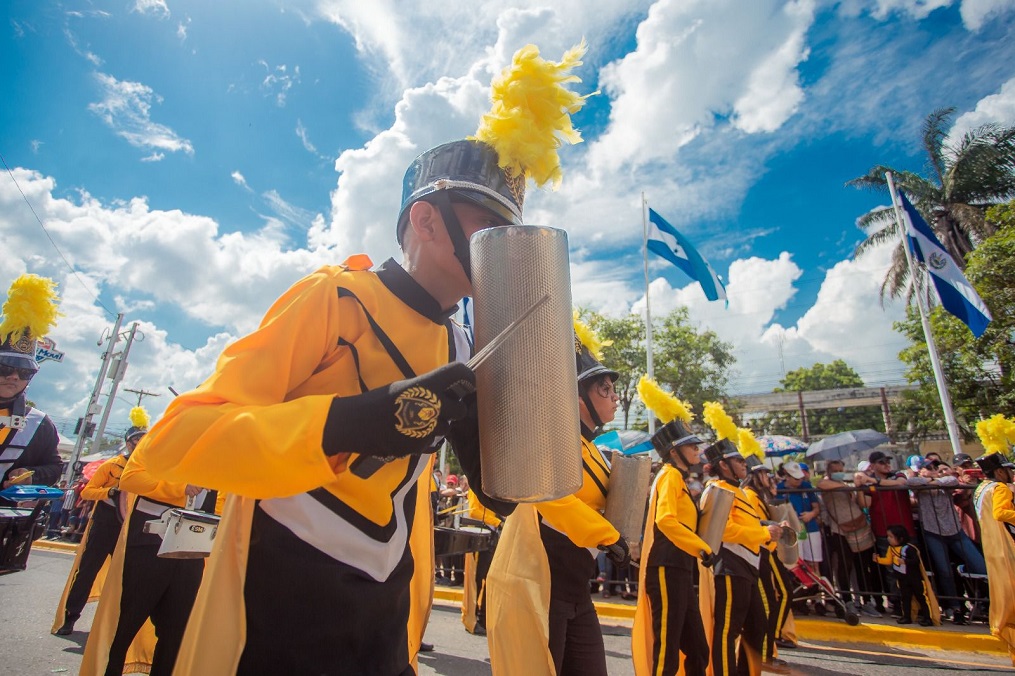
x: 93, y: 401
x: 119, y: 369
x: 141, y: 393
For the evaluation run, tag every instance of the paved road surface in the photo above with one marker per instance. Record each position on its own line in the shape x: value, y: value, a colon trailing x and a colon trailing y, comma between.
x: 28, y: 600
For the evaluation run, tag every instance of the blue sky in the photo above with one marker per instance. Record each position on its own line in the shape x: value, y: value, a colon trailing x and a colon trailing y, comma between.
x: 192, y: 159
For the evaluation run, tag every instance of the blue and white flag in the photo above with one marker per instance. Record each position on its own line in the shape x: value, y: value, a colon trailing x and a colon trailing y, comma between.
x: 956, y: 293
x: 665, y: 241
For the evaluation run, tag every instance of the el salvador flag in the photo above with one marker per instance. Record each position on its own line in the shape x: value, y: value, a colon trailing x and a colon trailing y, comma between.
x: 665, y: 241
x: 956, y: 293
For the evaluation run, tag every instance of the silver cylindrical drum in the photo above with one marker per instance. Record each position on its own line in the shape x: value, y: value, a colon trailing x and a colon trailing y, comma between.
x: 716, y: 504
x: 788, y: 553
x: 630, y: 476
x: 530, y: 432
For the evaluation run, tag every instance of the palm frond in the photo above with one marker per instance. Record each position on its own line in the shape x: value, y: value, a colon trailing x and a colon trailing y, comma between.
x: 935, y: 131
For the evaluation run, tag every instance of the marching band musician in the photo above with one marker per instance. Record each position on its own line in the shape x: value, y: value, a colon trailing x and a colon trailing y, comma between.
x: 995, y: 508
x: 322, y: 423
x: 28, y: 438
x: 141, y: 586
x: 541, y: 618
x: 737, y: 611
x: 774, y: 582
x: 667, y: 621
x: 103, y: 529
x: 477, y: 565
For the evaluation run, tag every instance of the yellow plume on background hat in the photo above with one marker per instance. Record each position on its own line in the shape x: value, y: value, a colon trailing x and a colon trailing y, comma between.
x: 530, y: 118
x: 139, y: 417
x: 748, y: 445
x: 30, y: 307
x: 588, y: 338
x: 996, y: 433
x: 667, y: 407
x: 717, y: 417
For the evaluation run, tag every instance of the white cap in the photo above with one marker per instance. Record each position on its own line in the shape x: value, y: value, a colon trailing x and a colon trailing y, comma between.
x: 793, y: 469
x: 863, y: 466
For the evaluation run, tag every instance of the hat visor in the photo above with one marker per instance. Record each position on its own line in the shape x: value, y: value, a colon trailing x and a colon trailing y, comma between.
x: 595, y: 372
x: 18, y: 360
x: 488, y: 203
x: 689, y: 439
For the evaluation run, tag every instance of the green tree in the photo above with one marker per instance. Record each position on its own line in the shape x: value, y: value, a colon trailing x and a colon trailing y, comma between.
x: 967, y: 177
x: 693, y: 363
x: 837, y: 375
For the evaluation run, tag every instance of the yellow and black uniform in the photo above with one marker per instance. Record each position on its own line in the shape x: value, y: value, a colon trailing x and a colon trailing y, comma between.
x: 143, y: 585
x: 477, y: 565
x: 668, y: 621
x: 774, y: 583
x: 995, y: 508
x: 911, y: 578
x: 541, y: 619
x: 734, y: 610
x: 97, y: 544
x: 318, y: 566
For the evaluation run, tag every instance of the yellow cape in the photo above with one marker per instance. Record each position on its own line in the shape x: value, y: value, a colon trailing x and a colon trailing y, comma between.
x: 999, y: 550
x: 93, y: 594
x: 642, y: 636
x: 518, y: 600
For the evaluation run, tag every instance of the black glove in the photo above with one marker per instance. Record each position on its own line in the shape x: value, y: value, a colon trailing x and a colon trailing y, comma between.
x: 619, y: 553
x: 464, y: 437
x: 708, y: 560
x: 400, y: 419
x: 113, y: 494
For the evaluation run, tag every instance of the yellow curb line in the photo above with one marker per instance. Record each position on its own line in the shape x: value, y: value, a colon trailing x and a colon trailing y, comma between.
x: 56, y: 545
x: 832, y: 631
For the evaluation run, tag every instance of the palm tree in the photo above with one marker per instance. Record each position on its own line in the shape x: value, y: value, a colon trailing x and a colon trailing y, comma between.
x: 967, y: 177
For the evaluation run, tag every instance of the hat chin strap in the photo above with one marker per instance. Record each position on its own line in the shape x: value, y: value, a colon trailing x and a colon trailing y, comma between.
x: 442, y: 201
x: 584, y: 394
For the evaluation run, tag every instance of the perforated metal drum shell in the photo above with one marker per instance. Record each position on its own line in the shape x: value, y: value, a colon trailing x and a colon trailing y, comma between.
x: 530, y: 432
x: 630, y: 477
x: 789, y: 554
x: 716, y: 505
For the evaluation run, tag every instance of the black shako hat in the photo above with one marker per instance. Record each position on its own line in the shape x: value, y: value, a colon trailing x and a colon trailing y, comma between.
x: 991, y: 462
x: 672, y: 434
x: 590, y: 368
x: 720, y: 450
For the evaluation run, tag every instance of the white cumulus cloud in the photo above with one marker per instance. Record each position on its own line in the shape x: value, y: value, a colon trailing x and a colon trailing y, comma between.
x: 126, y: 109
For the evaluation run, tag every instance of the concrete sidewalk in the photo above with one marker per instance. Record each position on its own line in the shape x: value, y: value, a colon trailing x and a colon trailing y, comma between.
x: 875, y: 631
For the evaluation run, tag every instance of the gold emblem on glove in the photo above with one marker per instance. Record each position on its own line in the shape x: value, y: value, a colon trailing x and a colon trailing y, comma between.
x: 416, y: 412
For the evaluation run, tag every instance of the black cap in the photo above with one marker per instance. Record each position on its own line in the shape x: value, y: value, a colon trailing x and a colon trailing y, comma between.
x: 961, y: 458
x: 468, y: 170
x: 877, y: 455
x: 991, y: 462
x: 671, y: 435
x: 720, y: 450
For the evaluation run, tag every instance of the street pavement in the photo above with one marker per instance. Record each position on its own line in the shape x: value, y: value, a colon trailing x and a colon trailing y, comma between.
x: 29, y: 598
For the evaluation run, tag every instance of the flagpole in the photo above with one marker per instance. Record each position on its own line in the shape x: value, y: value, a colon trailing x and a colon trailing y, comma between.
x: 648, y: 308
x: 935, y: 361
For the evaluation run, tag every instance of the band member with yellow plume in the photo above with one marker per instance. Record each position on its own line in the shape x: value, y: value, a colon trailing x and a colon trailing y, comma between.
x: 28, y: 438
x: 541, y: 619
x: 93, y: 554
x: 774, y: 581
x: 322, y: 423
x: 995, y: 508
x: 667, y: 623
x: 477, y: 565
x: 728, y: 593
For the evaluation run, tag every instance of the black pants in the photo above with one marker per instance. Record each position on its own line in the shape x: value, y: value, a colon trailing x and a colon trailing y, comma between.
x: 162, y: 589
x: 483, y: 561
x: 775, y: 585
x: 98, y: 547
x: 910, y: 589
x: 576, y: 640
x: 739, y: 610
x: 848, y: 563
x: 675, y: 616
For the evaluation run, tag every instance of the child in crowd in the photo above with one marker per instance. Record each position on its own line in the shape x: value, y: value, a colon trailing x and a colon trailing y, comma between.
x: 904, y: 558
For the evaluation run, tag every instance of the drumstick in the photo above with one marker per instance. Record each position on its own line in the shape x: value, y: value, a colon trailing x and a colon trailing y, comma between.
x: 22, y: 478
x: 499, y: 339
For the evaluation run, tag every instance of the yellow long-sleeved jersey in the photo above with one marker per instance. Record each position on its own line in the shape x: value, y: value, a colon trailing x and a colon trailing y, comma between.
x: 675, y: 541
x: 743, y: 537
x: 479, y: 512
x: 1003, y: 504
x: 762, y: 510
x: 107, y: 476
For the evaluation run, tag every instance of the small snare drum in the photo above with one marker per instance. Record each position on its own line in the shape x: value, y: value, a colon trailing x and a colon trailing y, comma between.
x: 186, y: 534
x: 462, y: 540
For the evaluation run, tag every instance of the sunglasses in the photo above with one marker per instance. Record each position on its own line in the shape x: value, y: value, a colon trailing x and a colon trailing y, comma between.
x: 8, y: 371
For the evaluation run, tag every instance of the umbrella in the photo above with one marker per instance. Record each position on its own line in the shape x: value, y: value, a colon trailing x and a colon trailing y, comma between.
x: 839, y: 446
x: 88, y: 471
x: 776, y: 445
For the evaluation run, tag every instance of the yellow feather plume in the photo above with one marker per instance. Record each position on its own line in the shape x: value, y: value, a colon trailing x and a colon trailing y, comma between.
x: 139, y: 417
x: 717, y: 417
x: 531, y: 114
x: 589, y: 338
x: 996, y: 433
x: 30, y: 306
x: 748, y: 445
x: 664, y: 405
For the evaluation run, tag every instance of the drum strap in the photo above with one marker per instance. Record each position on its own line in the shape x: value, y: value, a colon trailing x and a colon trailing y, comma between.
x: 23, y: 437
